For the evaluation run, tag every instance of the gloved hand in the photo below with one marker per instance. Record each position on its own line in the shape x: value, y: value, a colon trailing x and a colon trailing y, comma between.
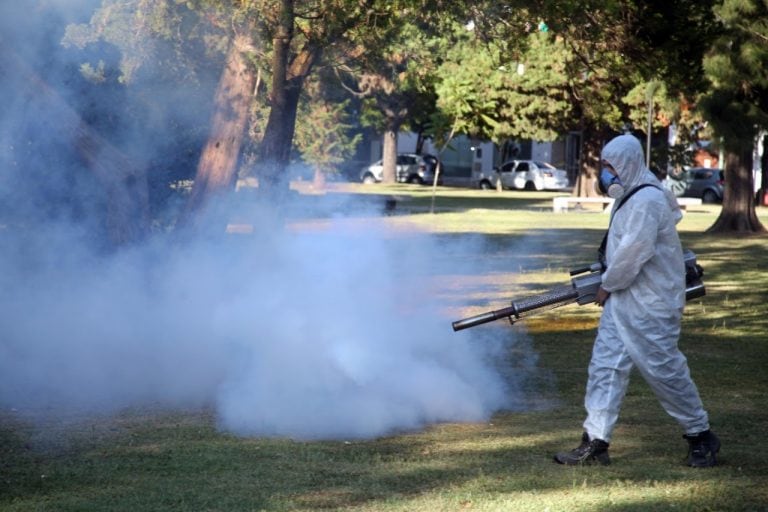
x: 601, y: 296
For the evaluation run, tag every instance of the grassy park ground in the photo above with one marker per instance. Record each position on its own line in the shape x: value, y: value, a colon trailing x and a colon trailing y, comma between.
x: 173, y: 460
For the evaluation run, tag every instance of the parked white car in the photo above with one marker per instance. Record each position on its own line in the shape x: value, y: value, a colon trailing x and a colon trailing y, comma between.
x: 526, y: 175
x: 410, y: 168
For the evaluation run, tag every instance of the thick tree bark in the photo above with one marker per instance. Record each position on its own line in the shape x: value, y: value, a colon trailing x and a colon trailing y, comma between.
x: 737, y: 215
x: 278, y: 135
x: 278, y: 138
x: 217, y: 169
x: 395, y: 113
x: 124, y: 182
x: 590, y: 164
x: 389, y: 155
x: 287, y: 84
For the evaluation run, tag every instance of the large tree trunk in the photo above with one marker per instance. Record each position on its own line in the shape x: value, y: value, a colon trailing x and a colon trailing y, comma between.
x: 278, y: 138
x: 124, y: 182
x: 389, y: 156
x: 287, y: 84
x: 763, y: 193
x: 276, y: 144
x: 738, y: 213
x: 590, y: 164
x: 217, y: 169
x: 395, y: 112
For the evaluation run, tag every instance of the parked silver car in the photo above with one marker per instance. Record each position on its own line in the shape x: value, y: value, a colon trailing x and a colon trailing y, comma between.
x: 409, y: 168
x: 702, y: 182
x: 526, y: 175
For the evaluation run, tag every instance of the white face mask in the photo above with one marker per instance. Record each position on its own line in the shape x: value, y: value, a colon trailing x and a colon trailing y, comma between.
x: 609, y: 184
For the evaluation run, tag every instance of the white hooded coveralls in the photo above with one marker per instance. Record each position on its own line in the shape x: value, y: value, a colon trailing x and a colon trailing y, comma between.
x: 640, y: 324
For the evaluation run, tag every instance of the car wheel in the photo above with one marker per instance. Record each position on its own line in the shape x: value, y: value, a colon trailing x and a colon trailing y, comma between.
x: 415, y: 180
x: 485, y: 185
x: 529, y: 185
x: 709, y: 197
x: 368, y: 179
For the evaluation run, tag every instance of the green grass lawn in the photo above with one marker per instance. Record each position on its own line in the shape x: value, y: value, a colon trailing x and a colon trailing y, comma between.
x: 177, y: 460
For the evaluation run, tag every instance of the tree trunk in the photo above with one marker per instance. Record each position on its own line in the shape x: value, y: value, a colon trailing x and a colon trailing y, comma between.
x: 389, y: 156
x: 737, y: 215
x: 763, y: 193
x: 590, y: 164
x: 287, y: 84
x: 419, y: 143
x: 217, y: 169
x: 318, y: 179
x: 276, y: 146
x: 278, y: 139
x: 124, y: 182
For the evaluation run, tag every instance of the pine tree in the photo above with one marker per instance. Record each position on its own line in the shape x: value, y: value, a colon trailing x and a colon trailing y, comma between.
x: 737, y: 105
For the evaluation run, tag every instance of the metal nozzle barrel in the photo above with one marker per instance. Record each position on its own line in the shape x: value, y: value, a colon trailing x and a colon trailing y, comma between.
x: 582, y: 290
x: 484, y: 318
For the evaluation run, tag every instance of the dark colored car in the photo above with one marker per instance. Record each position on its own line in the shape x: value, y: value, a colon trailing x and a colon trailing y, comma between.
x: 705, y: 183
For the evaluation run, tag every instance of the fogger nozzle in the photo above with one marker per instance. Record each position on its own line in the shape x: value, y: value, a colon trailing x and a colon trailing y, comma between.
x: 556, y: 297
x: 485, y: 318
x: 583, y: 290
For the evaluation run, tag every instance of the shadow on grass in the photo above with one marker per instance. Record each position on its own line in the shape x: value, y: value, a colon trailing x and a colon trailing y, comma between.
x: 165, y: 461
x: 162, y: 467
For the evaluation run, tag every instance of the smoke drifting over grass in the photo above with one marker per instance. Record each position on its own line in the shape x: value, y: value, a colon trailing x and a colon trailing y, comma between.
x: 302, y: 334
x: 335, y: 333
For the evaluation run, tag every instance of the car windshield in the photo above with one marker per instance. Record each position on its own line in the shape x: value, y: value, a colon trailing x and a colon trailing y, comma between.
x: 544, y: 165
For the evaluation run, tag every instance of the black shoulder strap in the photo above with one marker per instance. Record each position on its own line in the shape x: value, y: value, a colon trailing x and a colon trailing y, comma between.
x: 624, y: 199
x: 628, y: 195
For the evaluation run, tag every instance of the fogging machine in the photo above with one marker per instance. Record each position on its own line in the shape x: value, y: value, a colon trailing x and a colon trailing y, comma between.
x: 585, y: 282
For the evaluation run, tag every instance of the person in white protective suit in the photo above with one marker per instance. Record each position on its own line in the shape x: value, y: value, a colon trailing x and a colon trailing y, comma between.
x: 642, y: 294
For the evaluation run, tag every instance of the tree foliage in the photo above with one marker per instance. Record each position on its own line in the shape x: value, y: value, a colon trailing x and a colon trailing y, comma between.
x: 165, y: 39
x: 737, y: 100
x: 492, y: 97
x: 518, y: 69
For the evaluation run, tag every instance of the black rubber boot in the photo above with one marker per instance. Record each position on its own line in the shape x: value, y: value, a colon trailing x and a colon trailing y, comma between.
x: 702, y: 449
x: 589, y: 451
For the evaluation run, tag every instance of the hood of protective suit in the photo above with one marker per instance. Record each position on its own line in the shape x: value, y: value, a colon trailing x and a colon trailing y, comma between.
x: 625, y: 154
